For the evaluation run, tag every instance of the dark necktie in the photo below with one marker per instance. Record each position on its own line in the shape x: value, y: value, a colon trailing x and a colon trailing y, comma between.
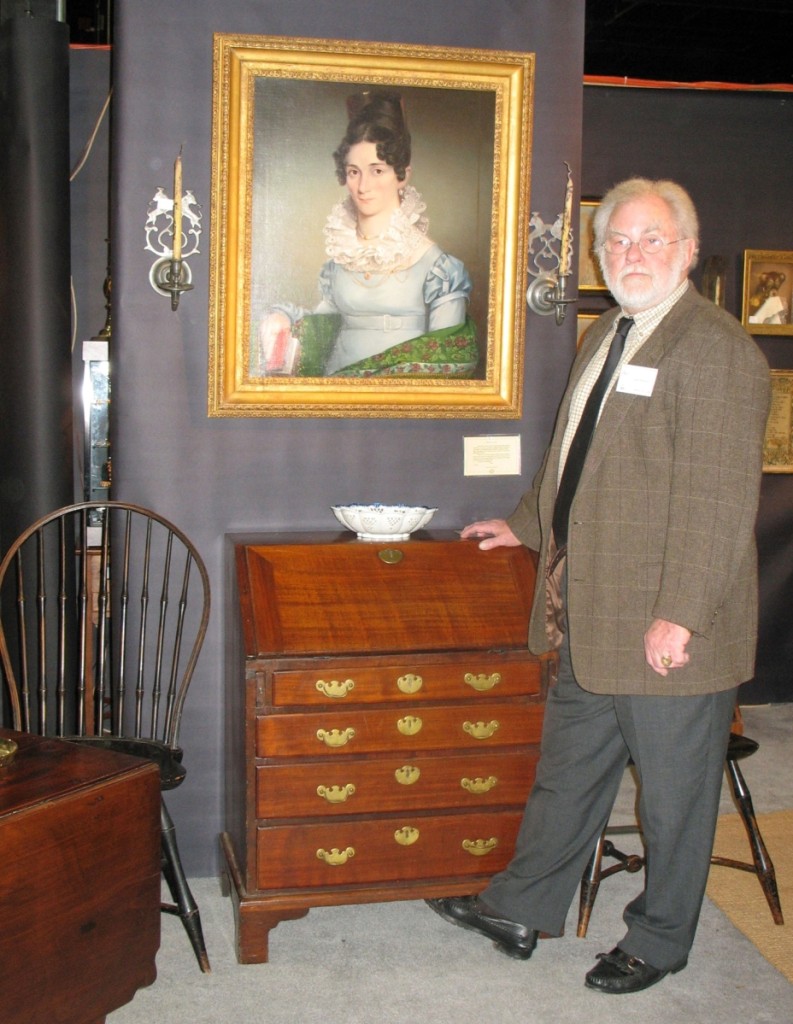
x: 579, y: 446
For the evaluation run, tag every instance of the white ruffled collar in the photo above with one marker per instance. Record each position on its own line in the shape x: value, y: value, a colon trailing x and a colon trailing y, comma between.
x: 394, y: 248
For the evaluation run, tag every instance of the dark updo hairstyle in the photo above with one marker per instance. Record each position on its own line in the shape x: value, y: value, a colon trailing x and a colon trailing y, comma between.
x: 377, y: 117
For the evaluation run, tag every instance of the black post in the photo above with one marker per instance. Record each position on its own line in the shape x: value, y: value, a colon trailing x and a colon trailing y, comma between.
x: 36, y: 460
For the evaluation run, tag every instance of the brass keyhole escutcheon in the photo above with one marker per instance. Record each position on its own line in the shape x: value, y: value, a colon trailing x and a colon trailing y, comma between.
x: 409, y: 683
x: 407, y: 835
x: 410, y: 725
x: 391, y: 556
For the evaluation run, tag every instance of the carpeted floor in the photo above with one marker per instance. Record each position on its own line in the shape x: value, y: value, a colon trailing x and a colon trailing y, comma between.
x: 398, y: 963
x: 739, y: 895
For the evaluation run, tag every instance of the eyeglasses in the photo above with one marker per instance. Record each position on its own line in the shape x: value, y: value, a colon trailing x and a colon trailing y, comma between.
x: 620, y: 245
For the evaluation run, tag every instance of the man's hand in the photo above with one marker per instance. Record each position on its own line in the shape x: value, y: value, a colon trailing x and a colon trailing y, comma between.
x: 665, y: 646
x: 495, y: 532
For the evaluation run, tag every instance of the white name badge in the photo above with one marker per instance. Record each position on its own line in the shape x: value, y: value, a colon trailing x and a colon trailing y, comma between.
x: 637, y: 380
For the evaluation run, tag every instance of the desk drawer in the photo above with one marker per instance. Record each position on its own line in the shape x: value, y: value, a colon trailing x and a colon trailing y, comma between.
x: 415, y: 680
x: 355, y: 786
x: 403, y: 847
x: 493, y: 724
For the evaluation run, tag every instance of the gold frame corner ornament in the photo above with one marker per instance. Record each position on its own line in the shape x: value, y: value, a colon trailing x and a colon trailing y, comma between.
x: 240, y: 61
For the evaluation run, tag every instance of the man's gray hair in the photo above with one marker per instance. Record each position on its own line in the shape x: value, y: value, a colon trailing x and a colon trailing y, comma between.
x: 680, y: 204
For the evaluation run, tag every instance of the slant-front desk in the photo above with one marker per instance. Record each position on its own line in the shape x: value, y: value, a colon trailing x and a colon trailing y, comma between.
x: 383, y: 721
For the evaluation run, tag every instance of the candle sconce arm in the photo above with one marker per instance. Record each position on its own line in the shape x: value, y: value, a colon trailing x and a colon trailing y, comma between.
x: 550, y: 259
x: 173, y: 231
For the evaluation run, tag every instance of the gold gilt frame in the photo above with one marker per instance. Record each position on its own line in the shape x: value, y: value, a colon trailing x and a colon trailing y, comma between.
x: 767, y: 287
x: 778, y: 442
x: 590, y: 276
x: 279, y: 112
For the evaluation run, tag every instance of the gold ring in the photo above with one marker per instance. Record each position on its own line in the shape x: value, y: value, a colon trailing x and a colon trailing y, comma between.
x: 666, y: 661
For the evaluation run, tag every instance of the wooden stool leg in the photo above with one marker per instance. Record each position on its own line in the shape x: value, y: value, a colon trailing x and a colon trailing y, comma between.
x: 763, y: 865
x: 590, y: 883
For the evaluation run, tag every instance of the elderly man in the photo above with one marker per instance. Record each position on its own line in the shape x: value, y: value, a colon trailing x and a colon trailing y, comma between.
x: 643, y: 513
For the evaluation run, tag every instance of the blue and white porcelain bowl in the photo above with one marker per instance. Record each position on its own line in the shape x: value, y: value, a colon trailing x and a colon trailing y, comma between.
x: 383, y: 522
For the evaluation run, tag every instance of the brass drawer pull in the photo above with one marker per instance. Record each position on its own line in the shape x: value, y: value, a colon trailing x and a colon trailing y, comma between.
x: 410, y: 683
x: 478, y: 786
x: 406, y: 836
x: 483, y: 681
x: 336, y: 794
x: 480, y: 847
x: 407, y: 774
x: 334, y: 688
x: 335, y: 737
x: 480, y: 730
x: 410, y: 725
x: 336, y: 858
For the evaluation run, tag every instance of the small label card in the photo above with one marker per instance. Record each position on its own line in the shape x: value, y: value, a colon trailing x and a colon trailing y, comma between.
x: 637, y: 380
x: 492, y: 455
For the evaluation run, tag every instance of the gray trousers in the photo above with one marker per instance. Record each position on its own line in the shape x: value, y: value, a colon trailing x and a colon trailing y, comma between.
x: 678, y: 745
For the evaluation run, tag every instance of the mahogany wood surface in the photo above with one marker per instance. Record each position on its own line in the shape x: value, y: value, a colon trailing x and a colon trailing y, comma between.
x: 80, y: 889
x: 383, y: 721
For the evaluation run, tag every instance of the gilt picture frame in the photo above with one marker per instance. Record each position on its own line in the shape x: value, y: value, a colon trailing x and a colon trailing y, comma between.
x: 767, y: 306
x: 778, y: 440
x: 584, y: 321
x: 590, y: 277
x: 280, y: 109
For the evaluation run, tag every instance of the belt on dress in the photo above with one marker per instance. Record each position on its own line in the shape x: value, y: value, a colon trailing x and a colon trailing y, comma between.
x: 386, y: 322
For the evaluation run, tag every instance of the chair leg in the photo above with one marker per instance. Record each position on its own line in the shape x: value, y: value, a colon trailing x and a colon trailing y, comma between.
x: 763, y: 865
x: 186, y: 907
x: 594, y: 873
x: 590, y: 883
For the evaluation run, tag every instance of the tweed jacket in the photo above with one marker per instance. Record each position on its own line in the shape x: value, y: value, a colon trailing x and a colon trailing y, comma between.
x: 662, y: 524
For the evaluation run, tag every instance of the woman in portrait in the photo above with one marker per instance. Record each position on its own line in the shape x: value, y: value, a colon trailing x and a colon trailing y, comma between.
x: 392, y: 301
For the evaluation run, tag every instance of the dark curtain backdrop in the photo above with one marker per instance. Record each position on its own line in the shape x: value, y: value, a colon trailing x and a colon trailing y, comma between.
x: 35, y: 361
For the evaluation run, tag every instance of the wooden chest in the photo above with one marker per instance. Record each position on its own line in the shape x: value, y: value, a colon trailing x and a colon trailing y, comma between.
x: 383, y: 721
x: 80, y: 882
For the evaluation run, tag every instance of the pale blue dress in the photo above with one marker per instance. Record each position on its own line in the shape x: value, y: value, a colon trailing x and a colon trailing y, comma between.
x: 382, y: 310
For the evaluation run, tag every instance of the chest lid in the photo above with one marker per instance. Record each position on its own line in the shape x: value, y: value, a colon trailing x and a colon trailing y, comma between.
x: 339, y: 595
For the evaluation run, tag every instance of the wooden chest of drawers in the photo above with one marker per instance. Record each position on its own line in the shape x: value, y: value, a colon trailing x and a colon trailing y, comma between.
x: 383, y: 721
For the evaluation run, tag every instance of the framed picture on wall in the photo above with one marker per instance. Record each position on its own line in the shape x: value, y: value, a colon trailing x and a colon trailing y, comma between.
x: 778, y: 442
x: 369, y: 214
x: 767, y: 291
x: 590, y: 279
x: 585, y: 321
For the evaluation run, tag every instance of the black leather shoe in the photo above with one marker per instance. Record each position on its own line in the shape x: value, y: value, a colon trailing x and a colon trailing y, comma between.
x: 516, y: 940
x: 617, y: 972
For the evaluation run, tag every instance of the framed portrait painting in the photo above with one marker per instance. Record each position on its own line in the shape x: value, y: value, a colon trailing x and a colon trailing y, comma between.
x: 584, y: 321
x: 590, y: 278
x: 778, y: 441
x: 767, y: 291
x: 369, y: 212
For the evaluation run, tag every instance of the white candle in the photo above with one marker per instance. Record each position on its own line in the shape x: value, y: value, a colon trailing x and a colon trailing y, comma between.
x: 566, y: 245
x: 177, y: 207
